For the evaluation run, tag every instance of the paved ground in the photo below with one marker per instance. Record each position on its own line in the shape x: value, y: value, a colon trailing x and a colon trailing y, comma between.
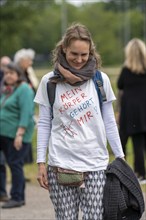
x: 38, y: 206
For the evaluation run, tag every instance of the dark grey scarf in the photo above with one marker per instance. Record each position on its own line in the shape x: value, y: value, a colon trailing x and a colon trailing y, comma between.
x: 85, y: 73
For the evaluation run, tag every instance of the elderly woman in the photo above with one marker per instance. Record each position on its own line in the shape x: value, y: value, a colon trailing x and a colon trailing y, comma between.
x: 24, y: 59
x: 16, y: 129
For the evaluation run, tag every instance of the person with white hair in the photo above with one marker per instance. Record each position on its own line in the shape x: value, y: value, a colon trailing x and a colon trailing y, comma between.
x: 24, y: 58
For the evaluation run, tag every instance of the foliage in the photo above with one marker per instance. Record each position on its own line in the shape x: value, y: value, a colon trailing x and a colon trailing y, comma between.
x: 39, y: 25
x: 11, y: 15
x: 123, y: 4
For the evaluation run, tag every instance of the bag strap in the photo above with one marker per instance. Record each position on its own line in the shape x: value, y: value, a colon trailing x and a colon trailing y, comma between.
x: 51, y: 89
x: 98, y: 82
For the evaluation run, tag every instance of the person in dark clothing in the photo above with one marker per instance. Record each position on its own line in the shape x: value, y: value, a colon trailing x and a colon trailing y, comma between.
x: 16, y: 129
x: 132, y: 114
x: 3, y: 177
x: 3, y: 192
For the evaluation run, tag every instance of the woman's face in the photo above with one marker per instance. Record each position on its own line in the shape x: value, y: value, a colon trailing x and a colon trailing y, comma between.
x: 77, y: 54
x: 10, y: 77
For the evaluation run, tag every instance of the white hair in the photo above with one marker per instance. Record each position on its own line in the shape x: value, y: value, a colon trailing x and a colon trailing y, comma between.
x: 24, y: 53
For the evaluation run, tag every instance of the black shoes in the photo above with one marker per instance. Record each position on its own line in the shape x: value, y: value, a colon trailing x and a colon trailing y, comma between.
x: 13, y: 204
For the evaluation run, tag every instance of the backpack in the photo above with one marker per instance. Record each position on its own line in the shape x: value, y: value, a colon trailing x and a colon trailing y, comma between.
x: 98, y: 82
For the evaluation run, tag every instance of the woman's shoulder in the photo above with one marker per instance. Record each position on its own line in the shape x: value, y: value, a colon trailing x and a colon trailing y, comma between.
x: 106, y: 80
x: 46, y: 77
x: 105, y: 77
x: 126, y: 70
x: 25, y: 87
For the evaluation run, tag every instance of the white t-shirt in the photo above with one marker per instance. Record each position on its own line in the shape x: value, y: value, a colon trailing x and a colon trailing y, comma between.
x: 78, y: 137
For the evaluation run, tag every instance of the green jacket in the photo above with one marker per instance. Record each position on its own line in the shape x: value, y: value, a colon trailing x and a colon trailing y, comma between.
x: 17, y: 111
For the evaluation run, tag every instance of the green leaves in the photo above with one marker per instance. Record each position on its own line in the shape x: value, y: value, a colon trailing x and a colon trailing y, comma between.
x: 38, y: 24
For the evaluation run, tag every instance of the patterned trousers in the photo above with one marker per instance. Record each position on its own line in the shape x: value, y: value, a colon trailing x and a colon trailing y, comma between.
x: 67, y: 200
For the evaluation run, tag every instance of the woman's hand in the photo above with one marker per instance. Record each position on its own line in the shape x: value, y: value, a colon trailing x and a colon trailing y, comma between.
x: 19, y: 138
x: 42, y: 176
x: 117, y: 116
x: 18, y: 142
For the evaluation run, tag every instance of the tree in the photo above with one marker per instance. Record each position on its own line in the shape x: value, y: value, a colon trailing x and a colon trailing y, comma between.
x: 38, y: 25
x: 17, y: 22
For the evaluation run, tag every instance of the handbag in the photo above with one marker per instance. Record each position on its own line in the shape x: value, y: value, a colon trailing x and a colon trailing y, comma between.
x: 69, y: 177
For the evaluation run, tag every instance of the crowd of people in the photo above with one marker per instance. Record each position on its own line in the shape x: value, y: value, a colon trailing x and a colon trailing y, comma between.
x: 74, y: 131
x: 17, y: 90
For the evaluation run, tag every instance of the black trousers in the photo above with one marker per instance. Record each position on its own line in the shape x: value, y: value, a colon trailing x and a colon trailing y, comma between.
x: 139, y: 149
x: 139, y: 146
x: 124, y: 139
x: 15, y: 161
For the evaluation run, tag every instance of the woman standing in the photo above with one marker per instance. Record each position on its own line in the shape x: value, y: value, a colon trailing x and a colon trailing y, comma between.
x: 16, y: 129
x: 132, y: 118
x: 24, y: 59
x: 77, y: 134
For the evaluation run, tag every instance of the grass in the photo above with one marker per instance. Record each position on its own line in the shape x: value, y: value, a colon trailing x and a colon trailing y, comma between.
x: 31, y: 169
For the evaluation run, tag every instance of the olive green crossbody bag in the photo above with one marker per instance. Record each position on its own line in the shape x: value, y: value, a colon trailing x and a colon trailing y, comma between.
x: 69, y: 177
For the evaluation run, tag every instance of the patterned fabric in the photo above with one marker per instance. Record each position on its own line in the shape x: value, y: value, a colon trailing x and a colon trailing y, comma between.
x: 67, y: 200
